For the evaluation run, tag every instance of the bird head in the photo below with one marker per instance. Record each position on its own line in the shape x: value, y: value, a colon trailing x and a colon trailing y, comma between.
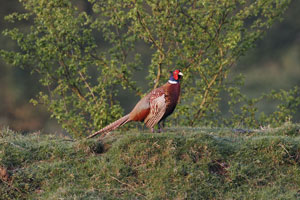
x: 175, y: 76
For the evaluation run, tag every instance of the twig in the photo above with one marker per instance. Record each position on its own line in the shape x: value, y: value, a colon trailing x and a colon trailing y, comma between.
x: 158, y: 73
x: 87, y: 85
x: 130, y: 186
x: 149, y: 33
x: 73, y: 86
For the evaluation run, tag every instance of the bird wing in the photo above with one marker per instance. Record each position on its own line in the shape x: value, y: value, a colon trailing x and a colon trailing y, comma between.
x: 157, y: 108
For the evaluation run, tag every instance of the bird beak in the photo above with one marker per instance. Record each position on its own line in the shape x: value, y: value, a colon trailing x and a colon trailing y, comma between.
x: 180, y: 74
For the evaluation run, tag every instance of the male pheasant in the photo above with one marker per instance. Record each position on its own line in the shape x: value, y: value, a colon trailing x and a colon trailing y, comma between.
x: 153, y: 108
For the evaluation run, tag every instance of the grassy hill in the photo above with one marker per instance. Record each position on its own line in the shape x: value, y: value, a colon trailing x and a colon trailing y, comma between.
x: 183, y: 163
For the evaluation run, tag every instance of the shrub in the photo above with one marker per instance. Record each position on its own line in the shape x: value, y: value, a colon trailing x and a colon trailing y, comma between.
x: 84, y: 57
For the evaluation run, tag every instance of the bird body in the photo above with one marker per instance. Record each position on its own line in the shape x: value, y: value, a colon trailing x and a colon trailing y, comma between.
x: 153, y: 108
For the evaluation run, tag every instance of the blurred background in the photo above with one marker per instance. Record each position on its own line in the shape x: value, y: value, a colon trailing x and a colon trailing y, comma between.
x: 273, y: 64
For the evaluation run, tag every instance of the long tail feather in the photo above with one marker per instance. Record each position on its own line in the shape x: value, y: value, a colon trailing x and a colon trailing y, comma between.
x: 112, y: 126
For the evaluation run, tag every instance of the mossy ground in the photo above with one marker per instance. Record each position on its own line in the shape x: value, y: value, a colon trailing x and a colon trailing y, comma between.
x: 182, y: 163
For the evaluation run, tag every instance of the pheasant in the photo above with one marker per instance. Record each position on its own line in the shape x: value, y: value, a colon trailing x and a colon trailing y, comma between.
x: 153, y: 108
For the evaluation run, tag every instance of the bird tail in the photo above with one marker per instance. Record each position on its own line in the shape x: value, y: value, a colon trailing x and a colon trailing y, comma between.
x: 112, y: 126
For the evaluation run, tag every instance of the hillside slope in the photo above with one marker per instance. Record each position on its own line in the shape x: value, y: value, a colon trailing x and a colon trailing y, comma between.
x: 183, y: 163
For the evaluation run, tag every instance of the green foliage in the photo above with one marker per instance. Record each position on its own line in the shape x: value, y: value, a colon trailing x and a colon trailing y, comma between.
x: 204, y: 38
x: 245, y: 112
x: 83, y: 76
x: 61, y: 48
x: 184, y: 163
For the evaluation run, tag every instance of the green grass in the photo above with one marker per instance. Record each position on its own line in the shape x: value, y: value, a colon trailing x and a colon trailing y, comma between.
x: 182, y: 163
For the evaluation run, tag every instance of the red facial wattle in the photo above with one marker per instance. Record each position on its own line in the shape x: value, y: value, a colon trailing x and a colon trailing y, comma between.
x: 175, y: 74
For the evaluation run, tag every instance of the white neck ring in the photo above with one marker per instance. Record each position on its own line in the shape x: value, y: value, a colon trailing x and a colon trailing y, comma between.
x: 172, y: 82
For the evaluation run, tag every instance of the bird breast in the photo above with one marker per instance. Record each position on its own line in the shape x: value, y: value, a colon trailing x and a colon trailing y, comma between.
x: 172, y: 97
x: 172, y: 93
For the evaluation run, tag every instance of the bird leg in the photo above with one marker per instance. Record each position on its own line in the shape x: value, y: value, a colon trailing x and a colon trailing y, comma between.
x: 161, y: 125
